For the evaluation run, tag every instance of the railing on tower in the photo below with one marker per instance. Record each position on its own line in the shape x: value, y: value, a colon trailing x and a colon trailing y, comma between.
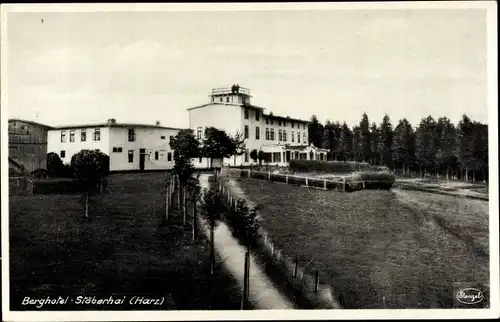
x: 229, y: 90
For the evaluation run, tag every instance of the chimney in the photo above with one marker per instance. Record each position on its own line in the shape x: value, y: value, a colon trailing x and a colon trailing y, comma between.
x: 157, y: 123
x: 111, y: 121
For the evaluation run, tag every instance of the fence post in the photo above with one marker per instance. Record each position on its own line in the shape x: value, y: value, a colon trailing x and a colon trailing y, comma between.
x: 245, y: 284
x: 324, y: 184
x: 316, y: 281
x: 307, y: 181
x: 344, y: 185
x: 363, y: 184
x: 295, y: 267
x: 287, y: 179
x: 167, y: 201
x: 184, y: 210
x: 249, y: 173
x: 269, y: 175
x: 194, y: 219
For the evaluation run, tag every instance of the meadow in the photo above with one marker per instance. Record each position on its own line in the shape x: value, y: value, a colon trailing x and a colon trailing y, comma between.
x: 380, y: 248
x: 125, y: 247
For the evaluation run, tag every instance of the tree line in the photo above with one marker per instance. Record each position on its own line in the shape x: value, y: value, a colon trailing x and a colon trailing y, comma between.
x: 433, y: 147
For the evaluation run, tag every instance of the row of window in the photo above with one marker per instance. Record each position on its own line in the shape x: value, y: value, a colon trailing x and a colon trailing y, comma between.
x: 271, y: 120
x: 270, y: 135
x: 96, y: 135
x: 131, y: 154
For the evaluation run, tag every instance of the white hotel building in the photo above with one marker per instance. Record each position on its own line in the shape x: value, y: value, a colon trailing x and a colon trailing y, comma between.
x: 281, y: 138
x: 146, y: 147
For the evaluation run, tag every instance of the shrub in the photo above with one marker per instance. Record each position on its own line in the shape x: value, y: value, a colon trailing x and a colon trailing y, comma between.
x: 375, y: 180
x: 56, y: 168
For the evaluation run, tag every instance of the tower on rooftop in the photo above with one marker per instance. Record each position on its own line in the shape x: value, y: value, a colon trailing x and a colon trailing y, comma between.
x: 231, y: 95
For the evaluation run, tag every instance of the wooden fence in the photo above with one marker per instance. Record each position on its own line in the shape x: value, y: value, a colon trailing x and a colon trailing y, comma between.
x: 20, y: 186
x: 342, y: 184
x: 310, y: 283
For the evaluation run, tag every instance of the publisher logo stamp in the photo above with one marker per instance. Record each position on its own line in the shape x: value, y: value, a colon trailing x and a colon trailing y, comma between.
x: 469, y: 296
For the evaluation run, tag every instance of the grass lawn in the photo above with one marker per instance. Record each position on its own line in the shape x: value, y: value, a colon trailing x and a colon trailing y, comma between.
x: 123, y: 249
x: 393, y: 249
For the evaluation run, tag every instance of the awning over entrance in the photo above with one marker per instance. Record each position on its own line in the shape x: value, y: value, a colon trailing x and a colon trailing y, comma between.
x: 284, y: 153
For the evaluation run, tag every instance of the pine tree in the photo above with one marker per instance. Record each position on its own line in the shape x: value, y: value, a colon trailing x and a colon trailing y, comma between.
x: 315, y: 130
x: 464, y: 147
x: 374, y: 144
x: 445, y: 156
x: 364, y: 127
x: 346, y: 148
x: 426, y: 144
x: 385, y: 144
x: 403, y: 145
x: 357, y: 143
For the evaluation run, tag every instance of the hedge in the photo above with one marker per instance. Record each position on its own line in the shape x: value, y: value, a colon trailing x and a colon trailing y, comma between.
x: 62, y: 186
x: 328, y: 166
x: 375, y: 180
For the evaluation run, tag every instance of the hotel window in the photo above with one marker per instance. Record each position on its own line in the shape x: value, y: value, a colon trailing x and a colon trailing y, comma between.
x: 157, y: 155
x: 246, y: 131
x: 304, y: 126
x: 304, y: 137
x: 284, y: 136
x: 117, y: 149
x: 63, y: 136
x: 246, y: 114
x: 72, y: 136
x: 257, y: 115
x: 272, y: 121
x: 63, y: 154
x: 272, y: 134
x: 83, y: 136
x: 163, y: 137
x: 293, y: 124
x: 267, y: 133
x: 246, y: 156
x: 130, y: 156
x: 221, y: 99
x: 227, y: 99
x: 280, y: 135
x: 293, y: 136
x: 267, y: 120
x: 257, y: 133
x: 169, y: 156
x: 298, y: 137
x: 97, y: 135
x: 200, y: 159
x: 131, y: 135
x: 279, y: 123
x: 199, y: 132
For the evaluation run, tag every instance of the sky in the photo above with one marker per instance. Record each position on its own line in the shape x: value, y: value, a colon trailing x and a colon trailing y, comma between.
x: 141, y: 67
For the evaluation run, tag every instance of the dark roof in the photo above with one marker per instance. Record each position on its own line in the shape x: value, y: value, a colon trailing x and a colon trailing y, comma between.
x: 255, y: 107
x: 121, y: 125
x: 287, y: 118
x: 30, y: 122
